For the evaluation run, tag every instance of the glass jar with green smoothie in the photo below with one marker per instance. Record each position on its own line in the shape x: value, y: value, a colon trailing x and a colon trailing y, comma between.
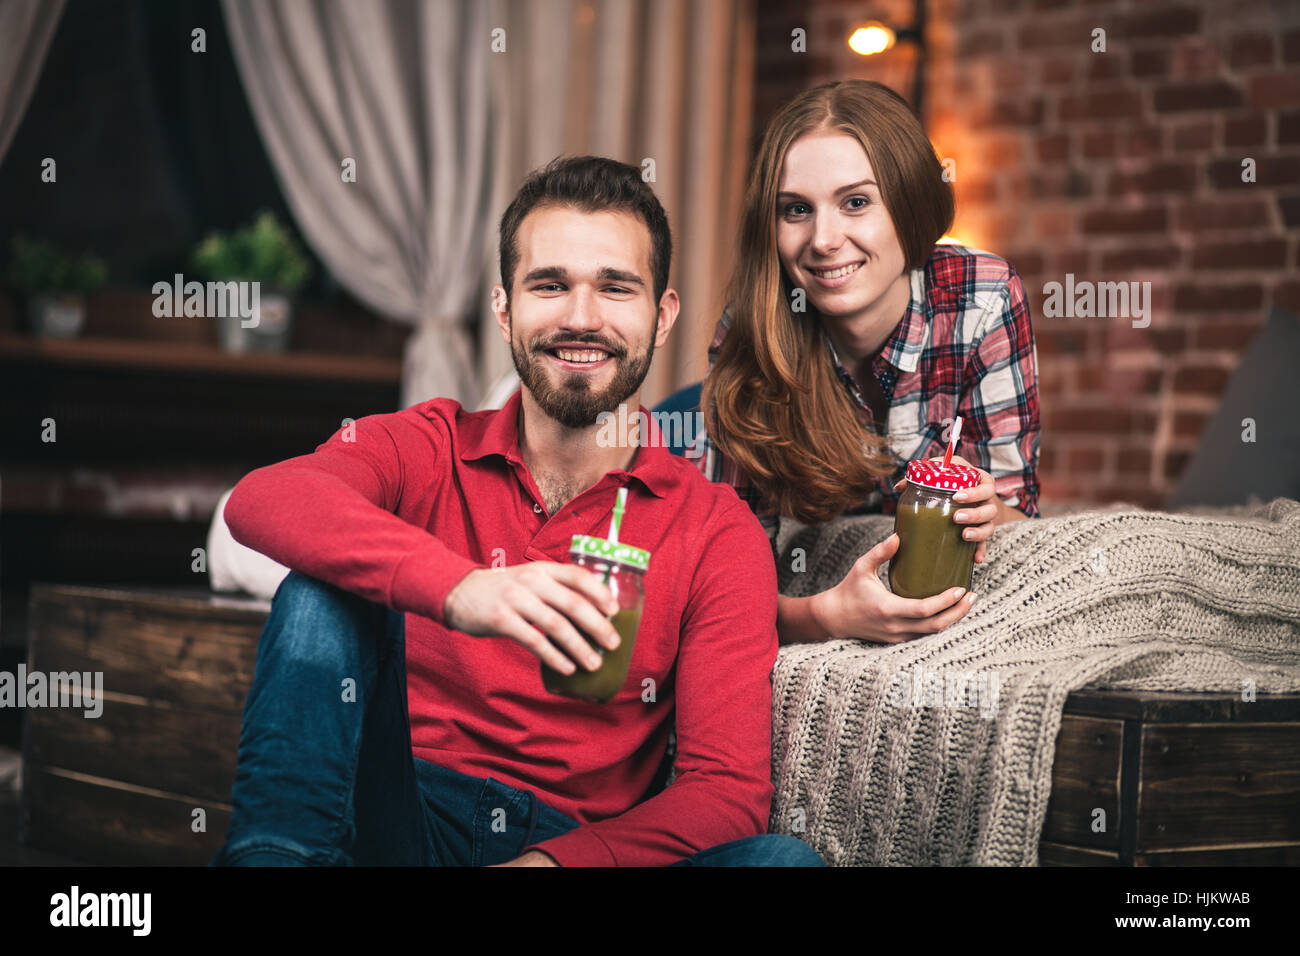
x: 623, y: 569
x: 932, y: 554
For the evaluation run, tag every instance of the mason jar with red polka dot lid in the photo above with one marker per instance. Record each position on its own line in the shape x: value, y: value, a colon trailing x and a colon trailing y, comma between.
x: 932, y: 554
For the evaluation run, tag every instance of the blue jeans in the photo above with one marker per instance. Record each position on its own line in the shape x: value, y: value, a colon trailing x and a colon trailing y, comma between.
x: 325, y: 770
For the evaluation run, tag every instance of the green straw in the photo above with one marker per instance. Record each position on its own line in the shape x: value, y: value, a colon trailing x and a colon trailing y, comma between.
x: 619, y: 504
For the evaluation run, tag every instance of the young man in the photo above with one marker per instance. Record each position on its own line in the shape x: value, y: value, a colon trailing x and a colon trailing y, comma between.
x: 429, y: 556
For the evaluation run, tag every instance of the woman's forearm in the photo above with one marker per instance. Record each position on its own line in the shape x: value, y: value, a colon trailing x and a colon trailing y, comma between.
x: 1007, y: 513
x: 802, y: 620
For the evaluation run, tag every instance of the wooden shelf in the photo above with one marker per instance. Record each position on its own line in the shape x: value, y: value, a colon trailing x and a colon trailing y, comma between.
x: 204, y: 359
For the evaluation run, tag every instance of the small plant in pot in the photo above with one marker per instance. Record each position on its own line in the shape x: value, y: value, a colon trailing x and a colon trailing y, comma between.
x: 56, y: 286
x: 268, y: 267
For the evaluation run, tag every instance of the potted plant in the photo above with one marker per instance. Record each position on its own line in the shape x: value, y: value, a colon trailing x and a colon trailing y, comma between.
x: 265, y: 255
x: 56, y: 285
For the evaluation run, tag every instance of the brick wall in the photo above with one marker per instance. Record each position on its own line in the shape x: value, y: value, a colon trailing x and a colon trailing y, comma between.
x: 1119, y: 166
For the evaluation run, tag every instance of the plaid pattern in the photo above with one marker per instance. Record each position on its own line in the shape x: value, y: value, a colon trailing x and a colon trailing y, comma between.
x: 964, y: 347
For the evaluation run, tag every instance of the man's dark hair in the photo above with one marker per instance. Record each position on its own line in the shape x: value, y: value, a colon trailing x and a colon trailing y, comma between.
x: 591, y: 184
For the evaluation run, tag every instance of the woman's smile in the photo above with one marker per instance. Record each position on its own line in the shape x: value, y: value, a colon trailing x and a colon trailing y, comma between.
x: 835, y: 276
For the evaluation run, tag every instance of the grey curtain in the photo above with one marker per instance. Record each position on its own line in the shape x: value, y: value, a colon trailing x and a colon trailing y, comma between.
x: 26, y: 29
x: 402, y: 88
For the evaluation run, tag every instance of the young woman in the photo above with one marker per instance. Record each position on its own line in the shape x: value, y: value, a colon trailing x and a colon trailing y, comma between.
x: 851, y: 342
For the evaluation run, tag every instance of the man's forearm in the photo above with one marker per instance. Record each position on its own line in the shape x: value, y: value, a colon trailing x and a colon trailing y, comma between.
x: 315, y: 523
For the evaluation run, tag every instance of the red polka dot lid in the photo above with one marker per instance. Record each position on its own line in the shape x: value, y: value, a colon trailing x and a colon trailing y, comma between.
x: 932, y: 474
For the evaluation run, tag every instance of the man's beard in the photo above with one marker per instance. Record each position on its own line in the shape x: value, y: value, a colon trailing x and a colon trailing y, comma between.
x: 572, y: 402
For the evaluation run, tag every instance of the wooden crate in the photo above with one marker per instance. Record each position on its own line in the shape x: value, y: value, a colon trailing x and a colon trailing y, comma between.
x: 1183, y: 779
x: 121, y: 789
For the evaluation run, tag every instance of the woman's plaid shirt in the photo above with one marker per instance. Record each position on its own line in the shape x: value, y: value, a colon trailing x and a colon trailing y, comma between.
x: 964, y: 347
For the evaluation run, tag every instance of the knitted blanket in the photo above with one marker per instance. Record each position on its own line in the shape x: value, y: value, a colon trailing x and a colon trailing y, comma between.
x: 939, y: 751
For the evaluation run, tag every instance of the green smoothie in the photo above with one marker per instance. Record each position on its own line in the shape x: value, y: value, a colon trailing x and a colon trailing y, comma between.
x: 600, y: 685
x: 932, y: 556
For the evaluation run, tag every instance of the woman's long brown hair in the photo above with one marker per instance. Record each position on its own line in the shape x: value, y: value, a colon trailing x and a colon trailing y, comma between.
x: 772, y: 401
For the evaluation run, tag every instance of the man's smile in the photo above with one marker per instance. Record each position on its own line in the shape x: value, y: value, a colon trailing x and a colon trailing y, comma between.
x: 579, y: 356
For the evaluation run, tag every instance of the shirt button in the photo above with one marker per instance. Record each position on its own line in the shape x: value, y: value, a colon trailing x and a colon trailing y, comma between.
x: 537, y: 509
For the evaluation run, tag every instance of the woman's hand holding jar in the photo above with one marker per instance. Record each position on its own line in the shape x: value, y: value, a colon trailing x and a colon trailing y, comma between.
x: 982, y: 508
x: 860, y: 607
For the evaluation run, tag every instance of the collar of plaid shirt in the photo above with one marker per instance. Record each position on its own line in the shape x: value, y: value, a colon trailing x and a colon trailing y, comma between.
x: 902, y: 350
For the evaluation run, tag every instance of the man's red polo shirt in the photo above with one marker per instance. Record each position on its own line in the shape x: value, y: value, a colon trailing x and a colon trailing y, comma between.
x: 399, y: 507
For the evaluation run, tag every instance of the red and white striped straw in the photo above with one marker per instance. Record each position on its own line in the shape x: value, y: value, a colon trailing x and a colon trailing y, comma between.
x: 952, y: 442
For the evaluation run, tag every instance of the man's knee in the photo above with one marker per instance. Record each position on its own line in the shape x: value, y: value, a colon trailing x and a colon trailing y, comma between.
x: 306, y: 612
x: 302, y: 594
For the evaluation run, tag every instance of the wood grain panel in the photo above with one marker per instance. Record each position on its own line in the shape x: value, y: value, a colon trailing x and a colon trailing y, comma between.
x: 1250, y: 855
x: 143, y: 743
x: 176, y: 655
x: 1085, y: 776
x: 1057, y: 854
x: 106, y: 823
x: 1219, y: 785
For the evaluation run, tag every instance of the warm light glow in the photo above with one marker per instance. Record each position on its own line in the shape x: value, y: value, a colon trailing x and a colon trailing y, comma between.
x: 951, y: 239
x: 873, y: 37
